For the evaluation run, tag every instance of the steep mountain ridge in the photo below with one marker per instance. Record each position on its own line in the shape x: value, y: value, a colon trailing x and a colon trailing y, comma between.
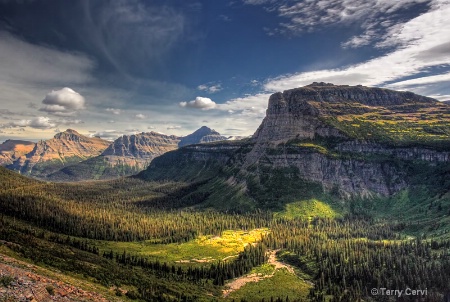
x: 64, y: 148
x: 345, y: 141
x: 139, y: 149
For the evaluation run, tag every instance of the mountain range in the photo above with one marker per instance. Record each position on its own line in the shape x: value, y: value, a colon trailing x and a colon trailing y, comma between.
x: 71, y: 156
x: 350, y: 142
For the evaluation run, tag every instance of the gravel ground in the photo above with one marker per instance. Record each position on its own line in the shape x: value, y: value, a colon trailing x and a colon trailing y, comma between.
x: 24, y: 284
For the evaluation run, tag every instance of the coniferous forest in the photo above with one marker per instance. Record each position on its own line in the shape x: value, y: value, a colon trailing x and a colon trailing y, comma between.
x: 88, y: 229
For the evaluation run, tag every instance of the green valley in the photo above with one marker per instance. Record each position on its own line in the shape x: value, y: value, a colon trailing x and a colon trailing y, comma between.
x: 328, y: 200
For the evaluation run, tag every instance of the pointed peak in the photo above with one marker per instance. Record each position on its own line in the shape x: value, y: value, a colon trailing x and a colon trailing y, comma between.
x: 205, y: 130
x: 68, y: 132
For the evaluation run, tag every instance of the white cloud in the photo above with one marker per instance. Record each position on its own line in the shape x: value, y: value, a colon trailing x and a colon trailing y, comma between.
x: 421, y: 81
x: 41, y: 123
x: 440, y: 97
x: 63, y: 102
x: 140, y: 116
x: 210, y: 88
x: 249, y: 106
x: 113, y: 110
x: 199, y: 103
x: 151, y: 127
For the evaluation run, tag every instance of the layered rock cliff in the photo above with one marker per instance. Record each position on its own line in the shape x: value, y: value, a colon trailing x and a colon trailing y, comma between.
x: 351, y: 141
x: 325, y: 110
x: 139, y: 150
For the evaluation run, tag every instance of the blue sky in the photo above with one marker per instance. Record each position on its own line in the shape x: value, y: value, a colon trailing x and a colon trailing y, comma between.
x: 124, y: 66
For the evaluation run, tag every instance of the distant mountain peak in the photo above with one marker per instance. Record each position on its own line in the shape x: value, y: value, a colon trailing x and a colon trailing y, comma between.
x: 205, y: 130
x: 202, y: 135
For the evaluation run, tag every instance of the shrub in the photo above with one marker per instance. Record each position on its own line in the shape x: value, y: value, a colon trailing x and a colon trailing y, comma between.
x: 50, y: 289
x: 6, y: 280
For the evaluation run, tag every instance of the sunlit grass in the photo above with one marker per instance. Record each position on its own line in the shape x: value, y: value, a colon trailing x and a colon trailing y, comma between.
x: 203, y: 249
x: 282, y: 284
x: 307, y: 209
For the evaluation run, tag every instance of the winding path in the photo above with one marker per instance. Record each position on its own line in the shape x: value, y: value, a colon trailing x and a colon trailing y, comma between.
x: 241, y: 281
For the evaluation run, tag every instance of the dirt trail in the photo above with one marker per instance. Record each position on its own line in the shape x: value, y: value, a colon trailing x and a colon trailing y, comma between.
x: 241, y: 281
x: 29, y: 285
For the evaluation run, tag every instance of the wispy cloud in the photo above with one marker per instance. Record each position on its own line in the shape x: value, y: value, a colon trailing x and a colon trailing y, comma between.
x: 24, y: 63
x: 116, y: 27
x: 210, y: 88
x: 375, y: 18
x: 114, y: 110
x: 173, y: 127
x: 224, y: 18
x: 420, y: 41
x: 40, y: 122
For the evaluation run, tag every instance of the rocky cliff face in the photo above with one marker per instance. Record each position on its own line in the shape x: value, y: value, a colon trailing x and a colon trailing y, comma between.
x: 140, y: 149
x: 303, y: 113
x: 350, y: 140
x: 11, y: 150
x: 290, y: 116
x: 202, y: 135
x: 64, y: 148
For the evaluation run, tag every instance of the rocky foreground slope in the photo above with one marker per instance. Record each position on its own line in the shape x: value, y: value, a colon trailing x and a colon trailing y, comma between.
x: 345, y: 141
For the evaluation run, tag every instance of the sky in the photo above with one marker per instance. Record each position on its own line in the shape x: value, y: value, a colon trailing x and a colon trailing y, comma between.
x: 113, y: 67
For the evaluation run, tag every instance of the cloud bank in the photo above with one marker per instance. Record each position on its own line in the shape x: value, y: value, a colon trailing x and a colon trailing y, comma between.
x: 40, y: 122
